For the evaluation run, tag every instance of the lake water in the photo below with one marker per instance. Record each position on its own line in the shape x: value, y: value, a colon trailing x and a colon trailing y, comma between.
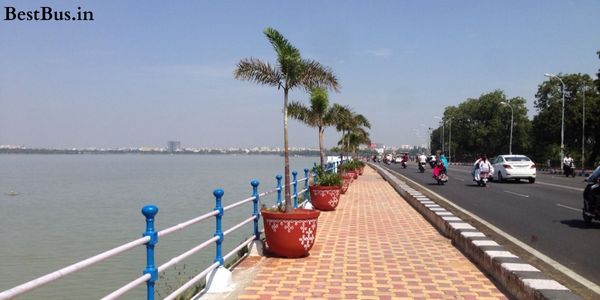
x: 70, y: 207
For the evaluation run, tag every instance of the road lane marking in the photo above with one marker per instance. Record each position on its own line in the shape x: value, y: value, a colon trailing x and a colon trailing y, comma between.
x: 517, y: 194
x: 558, y: 266
x: 561, y: 186
x: 568, y: 207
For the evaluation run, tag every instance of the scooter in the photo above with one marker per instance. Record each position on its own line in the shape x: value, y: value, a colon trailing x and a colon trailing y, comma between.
x: 569, y: 170
x: 403, y: 164
x: 483, y: 179
x: 591, y: 200
x: 422, y: 167
x: 441, y: 176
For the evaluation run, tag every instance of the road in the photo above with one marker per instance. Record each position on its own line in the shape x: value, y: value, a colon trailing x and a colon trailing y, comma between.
x: 545, y: 215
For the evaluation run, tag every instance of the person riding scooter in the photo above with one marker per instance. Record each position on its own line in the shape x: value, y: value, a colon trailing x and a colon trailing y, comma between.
x: 591, y: 197
x: 404, y: 160
x: 568, y: 166
x: 482, y: 170
x: 439, y: 171
x: 422, y: 160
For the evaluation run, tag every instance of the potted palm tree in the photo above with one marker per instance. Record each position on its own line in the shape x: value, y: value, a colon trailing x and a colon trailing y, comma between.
x: 290, y: 233
x: 325, y: 193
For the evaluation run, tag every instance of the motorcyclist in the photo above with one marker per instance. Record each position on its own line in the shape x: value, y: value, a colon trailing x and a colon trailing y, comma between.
x: 594, y: 176
x: 483, y: 166
x: 422, y: 158
x: 568, y: 164
x: 444, y: 161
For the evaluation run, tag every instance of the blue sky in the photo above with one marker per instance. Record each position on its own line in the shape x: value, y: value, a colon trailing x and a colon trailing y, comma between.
x: 145, y: 72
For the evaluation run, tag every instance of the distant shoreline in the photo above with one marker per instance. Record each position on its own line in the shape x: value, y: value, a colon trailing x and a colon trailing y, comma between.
x: 151, y: 152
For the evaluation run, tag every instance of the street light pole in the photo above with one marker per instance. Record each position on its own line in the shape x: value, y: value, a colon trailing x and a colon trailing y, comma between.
x: 511, y: 126
x: 443, y: 139
x: 583, y: 133
x: 562, y: 123
x: 450, y: 141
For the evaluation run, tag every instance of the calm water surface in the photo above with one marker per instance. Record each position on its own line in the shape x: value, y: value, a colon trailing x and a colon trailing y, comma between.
x: 71, y: 207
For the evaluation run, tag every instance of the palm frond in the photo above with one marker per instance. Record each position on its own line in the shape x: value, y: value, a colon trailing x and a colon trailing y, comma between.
x: 251, y: 69
x: 298, y: 111
x: 316, y: 75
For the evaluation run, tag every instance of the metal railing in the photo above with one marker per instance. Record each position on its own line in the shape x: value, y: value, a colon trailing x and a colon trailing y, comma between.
x: 151, y: 237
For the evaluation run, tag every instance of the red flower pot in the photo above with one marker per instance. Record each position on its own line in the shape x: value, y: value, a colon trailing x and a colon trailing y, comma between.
x: 324, y: 197
x: 290, y: 234
x: 346, y: 183
x: 354, y: 174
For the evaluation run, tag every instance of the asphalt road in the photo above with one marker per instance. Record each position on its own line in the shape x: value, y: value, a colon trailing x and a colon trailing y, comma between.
x: 545, y: 215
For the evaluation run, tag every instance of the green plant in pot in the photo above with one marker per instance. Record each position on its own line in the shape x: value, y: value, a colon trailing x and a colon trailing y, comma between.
x: 290, y: 233
x: 325, y: 193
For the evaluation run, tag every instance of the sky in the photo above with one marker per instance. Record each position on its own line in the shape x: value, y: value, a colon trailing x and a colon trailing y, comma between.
x: 146, y: 72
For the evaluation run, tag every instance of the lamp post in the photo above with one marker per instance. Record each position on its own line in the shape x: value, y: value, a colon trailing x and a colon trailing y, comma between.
x: 443, y: 130
x: 583, y: 132
x: 511, y: 125
x: 562, y: 122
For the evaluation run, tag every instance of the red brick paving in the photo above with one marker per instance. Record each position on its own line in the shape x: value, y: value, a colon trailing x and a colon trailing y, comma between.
x: 373, y: 246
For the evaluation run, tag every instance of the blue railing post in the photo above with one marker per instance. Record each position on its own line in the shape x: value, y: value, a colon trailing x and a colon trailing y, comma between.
x: 306, y: 193
x: 314, y: 173
x: 278, y: 177
x: 255, y: 213
x: 295, y: 183
x: 149, y: 211
x: 219, y: 230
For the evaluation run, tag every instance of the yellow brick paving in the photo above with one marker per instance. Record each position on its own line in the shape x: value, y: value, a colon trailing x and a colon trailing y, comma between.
x: 373, y: 246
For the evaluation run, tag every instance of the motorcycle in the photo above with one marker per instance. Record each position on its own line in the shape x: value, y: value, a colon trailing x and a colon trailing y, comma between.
x: 483, y: 179
x: 432, y: 162
x: 439, y: 174
x: 591, y: 198
x: 422, y: 167
x: 403, y: 164
x: 569, y: 170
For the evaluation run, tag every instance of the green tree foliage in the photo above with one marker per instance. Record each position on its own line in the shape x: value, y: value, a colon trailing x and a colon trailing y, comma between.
x: 547, y: 123
x: 319, y: 115
x: 482, y: 125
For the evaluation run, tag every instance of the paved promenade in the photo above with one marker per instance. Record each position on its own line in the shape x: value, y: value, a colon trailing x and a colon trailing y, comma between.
x: 373, y: 246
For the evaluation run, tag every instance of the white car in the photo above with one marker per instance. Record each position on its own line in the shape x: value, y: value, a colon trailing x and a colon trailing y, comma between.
x: 514, y: 167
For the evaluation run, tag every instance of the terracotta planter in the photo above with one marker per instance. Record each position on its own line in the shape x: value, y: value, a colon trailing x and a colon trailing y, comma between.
x: 347, y: 179
x: 354, y: 174
x: 324, y: 197
x: 290, y: 234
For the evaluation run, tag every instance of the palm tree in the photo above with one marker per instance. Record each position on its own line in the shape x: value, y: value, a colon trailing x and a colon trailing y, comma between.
x: 349, y: 122
x: 291, y: 71
x: 354, y: 138
x: 319, y: 115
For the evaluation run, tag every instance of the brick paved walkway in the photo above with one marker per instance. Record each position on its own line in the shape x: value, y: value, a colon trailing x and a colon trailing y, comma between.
x: 374, y: 246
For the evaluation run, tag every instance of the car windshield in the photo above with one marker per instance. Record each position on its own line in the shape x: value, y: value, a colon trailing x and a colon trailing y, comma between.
x: 517, y: 158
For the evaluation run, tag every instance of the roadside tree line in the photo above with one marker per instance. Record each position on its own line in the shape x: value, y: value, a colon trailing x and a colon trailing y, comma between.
x: 482, y: 125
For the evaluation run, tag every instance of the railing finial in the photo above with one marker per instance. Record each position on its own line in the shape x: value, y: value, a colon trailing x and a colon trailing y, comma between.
x: 150, y: 211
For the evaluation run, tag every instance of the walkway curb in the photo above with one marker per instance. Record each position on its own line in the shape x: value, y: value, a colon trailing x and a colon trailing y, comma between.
x: 520, y: 279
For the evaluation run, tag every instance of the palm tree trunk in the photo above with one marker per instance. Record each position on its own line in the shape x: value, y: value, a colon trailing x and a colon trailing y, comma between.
x: 286, y: 154
x: 321, y: 152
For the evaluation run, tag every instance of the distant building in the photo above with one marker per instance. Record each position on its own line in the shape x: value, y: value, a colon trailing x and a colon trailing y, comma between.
x: 173, y: 146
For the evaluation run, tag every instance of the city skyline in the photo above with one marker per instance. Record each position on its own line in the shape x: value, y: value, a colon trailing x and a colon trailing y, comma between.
x: 143, y: 75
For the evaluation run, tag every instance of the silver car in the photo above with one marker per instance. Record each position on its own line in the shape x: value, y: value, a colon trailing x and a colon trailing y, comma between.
x: 514, y: 167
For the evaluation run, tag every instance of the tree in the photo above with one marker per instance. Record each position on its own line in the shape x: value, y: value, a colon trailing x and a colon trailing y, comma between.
x: 547, y: 123
x: 290, y: 72
x: 348, y: 123
x: 482, y: 125
x: 319, y: 115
